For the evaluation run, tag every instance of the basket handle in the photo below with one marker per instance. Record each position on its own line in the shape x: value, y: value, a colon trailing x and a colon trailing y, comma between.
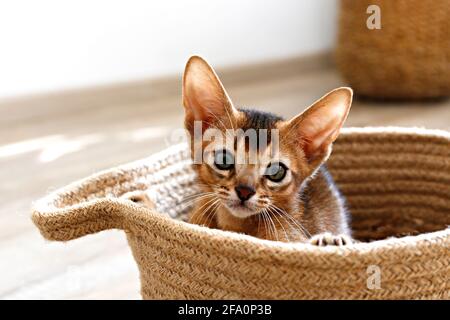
x: 71, y: 222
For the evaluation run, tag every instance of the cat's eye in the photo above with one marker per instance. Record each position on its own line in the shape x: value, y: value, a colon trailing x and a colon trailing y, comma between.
x: 223, y: 160
x: 276, y: 171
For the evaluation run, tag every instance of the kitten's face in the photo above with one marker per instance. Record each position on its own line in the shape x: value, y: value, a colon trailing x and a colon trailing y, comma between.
x: 263, y: 176
x: 248, y: 179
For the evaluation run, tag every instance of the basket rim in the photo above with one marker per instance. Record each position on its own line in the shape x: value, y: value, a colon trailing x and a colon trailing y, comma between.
x: 43, y: 210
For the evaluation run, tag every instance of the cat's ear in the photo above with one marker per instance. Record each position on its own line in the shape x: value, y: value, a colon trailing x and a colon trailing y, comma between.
x: 204, y: 97
x: 319, y: 125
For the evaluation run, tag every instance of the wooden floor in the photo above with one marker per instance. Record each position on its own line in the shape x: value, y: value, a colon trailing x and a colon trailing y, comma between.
x: 49, y: 141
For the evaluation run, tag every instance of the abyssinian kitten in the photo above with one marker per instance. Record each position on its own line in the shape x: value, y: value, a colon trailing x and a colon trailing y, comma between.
x: 288, y: 194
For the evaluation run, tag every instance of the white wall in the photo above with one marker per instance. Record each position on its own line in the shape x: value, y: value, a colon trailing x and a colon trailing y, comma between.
x: 50, y: 45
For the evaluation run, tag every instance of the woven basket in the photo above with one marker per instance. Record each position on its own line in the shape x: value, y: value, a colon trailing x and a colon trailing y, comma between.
x: 397, y: 183
x: 408, y: 58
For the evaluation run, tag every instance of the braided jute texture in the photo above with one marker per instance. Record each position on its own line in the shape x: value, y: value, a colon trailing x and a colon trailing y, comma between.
x: 408, y: 58
x: 397, y: 185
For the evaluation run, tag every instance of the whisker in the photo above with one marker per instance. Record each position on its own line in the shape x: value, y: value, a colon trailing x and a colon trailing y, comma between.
x: 196, y: 195
x: 259, y: 220
x: 288, y: 222
x: 271, y: 225
x: 206, y: 203
x: 275, y: 231
x: 214, y: 210
x: 210, y: 211
x: 209, y: 204
x: 189, y: 202
x: 286, y: 216
x: 303, y: 229
x: 266, y: 227
x: 275, y: 216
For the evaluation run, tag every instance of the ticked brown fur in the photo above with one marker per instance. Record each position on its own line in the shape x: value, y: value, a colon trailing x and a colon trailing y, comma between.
x: 307, y: 205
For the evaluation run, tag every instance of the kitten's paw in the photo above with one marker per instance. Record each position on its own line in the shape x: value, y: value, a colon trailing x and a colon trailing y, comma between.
x: 328, y: 239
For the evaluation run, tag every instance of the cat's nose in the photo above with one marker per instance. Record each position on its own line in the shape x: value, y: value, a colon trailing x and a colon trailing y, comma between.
x: 244, y: 192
